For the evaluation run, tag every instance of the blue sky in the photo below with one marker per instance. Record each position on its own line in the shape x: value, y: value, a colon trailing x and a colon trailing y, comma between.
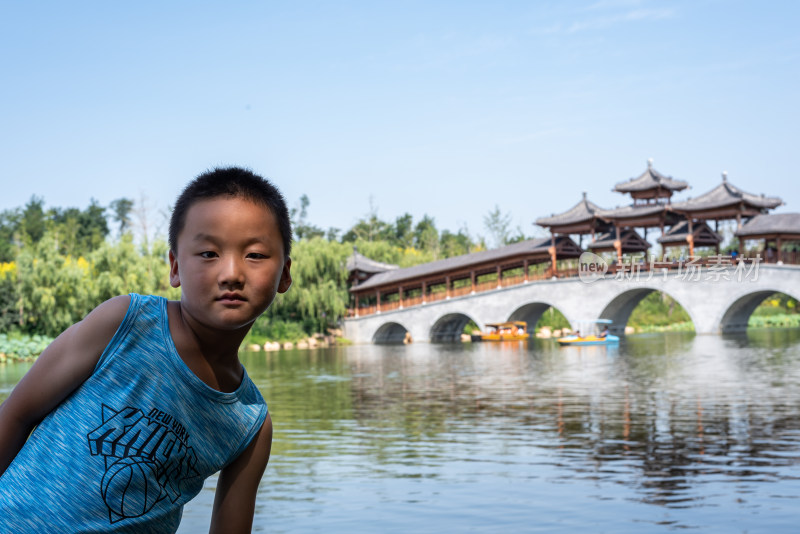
x: 444, y: 108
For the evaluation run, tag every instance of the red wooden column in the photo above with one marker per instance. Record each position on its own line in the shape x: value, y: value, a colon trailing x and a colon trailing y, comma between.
x: 690, y: 239
x: 424, y: 289
x: 618, y: 245
x: 499, y: 277
x: 525, y: 270
x: 400, y: 296
x: 552, y: 251
x: 741, y: 239
x: 378, y: 304
x: 447, y: 287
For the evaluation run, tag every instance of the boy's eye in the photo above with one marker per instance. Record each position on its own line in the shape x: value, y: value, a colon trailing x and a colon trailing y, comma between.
x: 256, y: 256
x: 207, y: 254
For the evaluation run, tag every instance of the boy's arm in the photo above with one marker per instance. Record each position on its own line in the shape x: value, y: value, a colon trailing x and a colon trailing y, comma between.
x: 235, y: 499
x: 63, y: 366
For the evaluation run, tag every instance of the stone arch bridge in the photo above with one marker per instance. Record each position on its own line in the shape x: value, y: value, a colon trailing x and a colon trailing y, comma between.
x: 717, y: 302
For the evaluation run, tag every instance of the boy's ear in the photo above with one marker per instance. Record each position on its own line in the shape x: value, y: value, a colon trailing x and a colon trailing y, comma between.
x: 174, y: 278
x: 286, y: 277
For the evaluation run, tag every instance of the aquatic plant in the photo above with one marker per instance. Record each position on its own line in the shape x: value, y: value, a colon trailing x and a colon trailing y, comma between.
x: 22, y: 347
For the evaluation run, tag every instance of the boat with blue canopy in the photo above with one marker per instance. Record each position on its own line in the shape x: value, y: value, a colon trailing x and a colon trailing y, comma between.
x: 590, y: 332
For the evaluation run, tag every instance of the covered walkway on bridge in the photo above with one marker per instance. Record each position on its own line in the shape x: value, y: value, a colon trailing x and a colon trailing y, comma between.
x: 462, y: 275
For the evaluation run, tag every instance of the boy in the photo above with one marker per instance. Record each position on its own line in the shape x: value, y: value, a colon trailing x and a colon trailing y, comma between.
x: 138, y: 403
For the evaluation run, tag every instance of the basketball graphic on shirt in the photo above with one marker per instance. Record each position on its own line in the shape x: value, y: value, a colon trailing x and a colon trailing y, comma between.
x: 130, y: 486
x: 147, y: 458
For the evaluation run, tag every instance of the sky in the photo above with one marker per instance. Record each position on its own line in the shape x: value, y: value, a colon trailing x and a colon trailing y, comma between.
x: 444, y: 108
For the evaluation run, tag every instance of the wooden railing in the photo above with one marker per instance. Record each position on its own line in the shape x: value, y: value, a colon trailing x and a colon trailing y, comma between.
x: 626, y: 266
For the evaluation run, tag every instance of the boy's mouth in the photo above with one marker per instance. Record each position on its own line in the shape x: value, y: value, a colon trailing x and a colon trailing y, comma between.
x: 231, y: 296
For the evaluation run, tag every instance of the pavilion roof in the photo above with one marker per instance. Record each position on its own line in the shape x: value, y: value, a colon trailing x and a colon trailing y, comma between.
x: 703, y: 234
x: 538, y: 246
x: 633, y: 211
x: 583, y: 211
x: 724, y: 195
x: 650, y: 179
x: 630, y: 239
x: 359, y: 262
x: 771, y: 224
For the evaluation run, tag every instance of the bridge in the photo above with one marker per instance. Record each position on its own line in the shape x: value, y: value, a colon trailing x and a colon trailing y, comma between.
x: 718, y: 300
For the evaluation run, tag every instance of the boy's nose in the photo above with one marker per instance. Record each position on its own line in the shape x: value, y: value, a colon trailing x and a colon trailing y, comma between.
x: 231, y: 272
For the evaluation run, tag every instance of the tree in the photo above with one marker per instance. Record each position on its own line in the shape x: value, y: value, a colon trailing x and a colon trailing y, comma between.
x: 455, y: 244
x: 53, y: 289
x: 302, y: 228
x: 32, y: 224
x: 9, y: 226
x: 64, y: 225
x: 497, y: 224
x: 369, y: 228
x: 9, y: 314
x: 318, y: 297
x: 121, y: 209
x: 426, y: 236
x: 118, y: 269
x: 403, y: 230
x: 93, y: 227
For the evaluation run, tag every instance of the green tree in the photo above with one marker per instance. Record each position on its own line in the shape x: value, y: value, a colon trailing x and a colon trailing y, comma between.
x: 93, y: 227
x: 318, y: 297
x: 32, y: 224
x: 9, y: 226
x: 9, y: 314
x: 64, y: 225
x: 302, y: 228
x: 455, y: 244
x: 52, y: 288
x: 403, y: 231
x: 121, y: 209
x: 120, y: 268
x: 426, y: 236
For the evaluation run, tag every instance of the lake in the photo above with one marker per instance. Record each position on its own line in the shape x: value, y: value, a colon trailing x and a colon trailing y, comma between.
x: 664, y: 433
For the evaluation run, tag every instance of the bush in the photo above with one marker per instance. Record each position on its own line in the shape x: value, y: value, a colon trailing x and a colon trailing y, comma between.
x: 22, y: 347
x: 266, y: 329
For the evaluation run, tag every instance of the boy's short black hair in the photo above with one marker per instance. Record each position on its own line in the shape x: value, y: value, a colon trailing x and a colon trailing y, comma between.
x: 234, y: 182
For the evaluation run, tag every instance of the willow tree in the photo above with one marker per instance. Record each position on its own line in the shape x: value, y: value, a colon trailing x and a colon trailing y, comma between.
x: 53, y: 290
x: 318, y: 297
x: 120, y: 268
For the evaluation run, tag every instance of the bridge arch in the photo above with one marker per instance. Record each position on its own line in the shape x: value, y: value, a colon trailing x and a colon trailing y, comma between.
x: 531, y: 313
x: 390, y: 333
x: 737, y: 314
x: 619, y: 309
x: 449, y: 327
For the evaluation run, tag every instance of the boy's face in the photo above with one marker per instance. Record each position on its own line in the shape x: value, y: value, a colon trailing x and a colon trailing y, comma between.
x: 230, y: 262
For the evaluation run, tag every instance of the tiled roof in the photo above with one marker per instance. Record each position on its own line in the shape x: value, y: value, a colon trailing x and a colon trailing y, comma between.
x: 531, y: 246
x: 583, y: 211
x: 773, y: 223
x: 627, y: 237
x: 679, y: 233
x: 359, y: 262
x: 726, y: 194
x: 650, y: 179
x: 636, y: 210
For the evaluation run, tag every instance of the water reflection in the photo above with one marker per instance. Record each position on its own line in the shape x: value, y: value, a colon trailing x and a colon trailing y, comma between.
x: 665, y: 416
x: 664, y: 432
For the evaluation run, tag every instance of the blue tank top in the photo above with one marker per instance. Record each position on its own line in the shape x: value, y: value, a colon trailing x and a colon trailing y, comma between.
x: 133, y: 443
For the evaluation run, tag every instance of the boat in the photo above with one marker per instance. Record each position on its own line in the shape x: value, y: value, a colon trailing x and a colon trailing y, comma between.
x: 505, y: 331
x: 597, y: 336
